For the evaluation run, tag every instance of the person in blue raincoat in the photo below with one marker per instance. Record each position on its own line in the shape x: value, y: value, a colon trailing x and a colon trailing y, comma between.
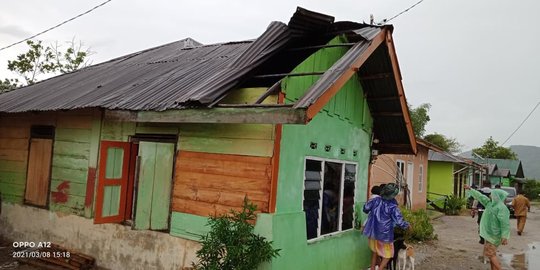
x: 495, y: 223
x: 383, y: 215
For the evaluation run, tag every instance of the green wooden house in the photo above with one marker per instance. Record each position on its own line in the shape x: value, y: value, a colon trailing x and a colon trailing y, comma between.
x: 504, y: 172
x: 447, y: 174
x: 126, y: 159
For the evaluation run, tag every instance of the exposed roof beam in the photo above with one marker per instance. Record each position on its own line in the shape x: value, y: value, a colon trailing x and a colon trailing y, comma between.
x: 249, y: 105
x: 273, y: 89
x: 336, y: 85
x: 376, y: 76
x: 401, y: 92
x: 392, y: 148
x: 321, y: 46
x: 383, y: 98
x: 287, y: 75
x: 265, y: 115
x: 387, y: 114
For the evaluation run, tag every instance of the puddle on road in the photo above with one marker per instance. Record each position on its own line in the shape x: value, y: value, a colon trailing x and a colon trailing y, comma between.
x: 523, y: 261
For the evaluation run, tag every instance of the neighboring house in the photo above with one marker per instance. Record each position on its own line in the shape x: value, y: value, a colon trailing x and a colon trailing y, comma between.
x: 447, y: 174
x: 409, y: 170
x: 126, y: 160
x: 504, y: 172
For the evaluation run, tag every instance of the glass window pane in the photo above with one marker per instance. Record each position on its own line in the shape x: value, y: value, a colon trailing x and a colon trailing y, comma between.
x: 348, y: 197
x: 331, y: 197
x: 312, y: 196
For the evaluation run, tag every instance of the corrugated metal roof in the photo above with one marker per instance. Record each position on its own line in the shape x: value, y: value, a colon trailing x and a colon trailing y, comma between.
x: 379, y: 84
x: 185, y: 74
x: 446, y: 157
x: 514, y: 166
x: 173, y: 76
x: 502, y: 173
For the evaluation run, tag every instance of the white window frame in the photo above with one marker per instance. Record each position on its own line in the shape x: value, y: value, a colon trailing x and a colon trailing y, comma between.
x: 342, y: 186
x: 400, y: 166
x: 420, y: 178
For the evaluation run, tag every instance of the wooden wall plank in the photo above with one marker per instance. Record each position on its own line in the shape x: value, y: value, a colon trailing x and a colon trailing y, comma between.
x: 70, y: 158
x: 227, y: 168
x: 12, y: 166
x: 73, y: 149
x: 13, y: 177
x: 39, y: 169
x: 75, y: 189
x: 208, y: 184
x: 11, y: 198
x: 74, y: 122
x: 15, y: 132
x: 221, y: 182
x: 72, y: 135
x: 248, y: 147
x: 231, y: 131
x: 70, y: 162
x: 161, y: 197
x: 92, y: 163
x: 13, y: 154
x: 225, y: 198
x: 12, y: 189
x: 74, y: 204
x: 117, y: 131
x: 143, y: 128
x: 11, y: 143
x: 147, y: 153
x: 214, y: 156
x: 65, y: 174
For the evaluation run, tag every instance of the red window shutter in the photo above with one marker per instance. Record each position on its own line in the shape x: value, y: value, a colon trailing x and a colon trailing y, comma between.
x: 113, y: 182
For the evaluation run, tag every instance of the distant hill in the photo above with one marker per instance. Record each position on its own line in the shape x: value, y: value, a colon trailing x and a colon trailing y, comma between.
x: 530, y: 159
x: 529, y: 156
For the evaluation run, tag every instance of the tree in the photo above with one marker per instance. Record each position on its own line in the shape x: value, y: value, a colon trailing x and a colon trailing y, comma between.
x: 491, y: 149
x: 8, y: 85
x: 419, y: 118
x: 447, y: 144
x: 39, y: 60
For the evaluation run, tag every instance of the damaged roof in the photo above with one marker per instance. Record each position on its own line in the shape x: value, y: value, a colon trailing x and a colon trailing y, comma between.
x: 172, y: 76
x: 186, y: 74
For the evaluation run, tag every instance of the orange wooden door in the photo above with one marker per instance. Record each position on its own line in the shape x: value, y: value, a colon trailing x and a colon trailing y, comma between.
x: 39, y: 172
x: 113, y: 182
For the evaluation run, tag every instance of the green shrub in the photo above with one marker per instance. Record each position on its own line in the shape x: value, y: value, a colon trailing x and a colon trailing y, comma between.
x: 422, y: 230
x: 454, y: 205
x: 358, y: 216
x: 532, y: 189
x: 231, y: 243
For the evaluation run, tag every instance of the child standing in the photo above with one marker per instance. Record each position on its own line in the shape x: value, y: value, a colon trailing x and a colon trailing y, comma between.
x: 495, y: 222
x: 383, y: 215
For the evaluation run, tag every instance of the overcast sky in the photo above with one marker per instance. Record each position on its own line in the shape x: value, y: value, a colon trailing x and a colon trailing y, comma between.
x: 475, y: 61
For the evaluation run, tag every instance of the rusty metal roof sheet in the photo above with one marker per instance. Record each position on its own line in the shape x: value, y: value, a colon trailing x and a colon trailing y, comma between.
x: 173, y: 76
x: 186, y: 74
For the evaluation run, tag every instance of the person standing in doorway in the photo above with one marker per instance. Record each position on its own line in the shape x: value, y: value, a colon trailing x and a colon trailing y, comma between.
x: 521, y: 206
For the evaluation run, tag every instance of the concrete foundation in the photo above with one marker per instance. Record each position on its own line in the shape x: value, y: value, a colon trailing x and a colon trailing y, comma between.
x: 114, y: 246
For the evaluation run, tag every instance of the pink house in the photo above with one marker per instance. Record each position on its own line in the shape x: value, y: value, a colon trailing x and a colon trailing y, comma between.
x: 409, y: 170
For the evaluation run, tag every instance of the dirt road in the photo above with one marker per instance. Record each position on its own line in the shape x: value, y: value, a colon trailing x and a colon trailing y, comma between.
x: 458, y: 247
